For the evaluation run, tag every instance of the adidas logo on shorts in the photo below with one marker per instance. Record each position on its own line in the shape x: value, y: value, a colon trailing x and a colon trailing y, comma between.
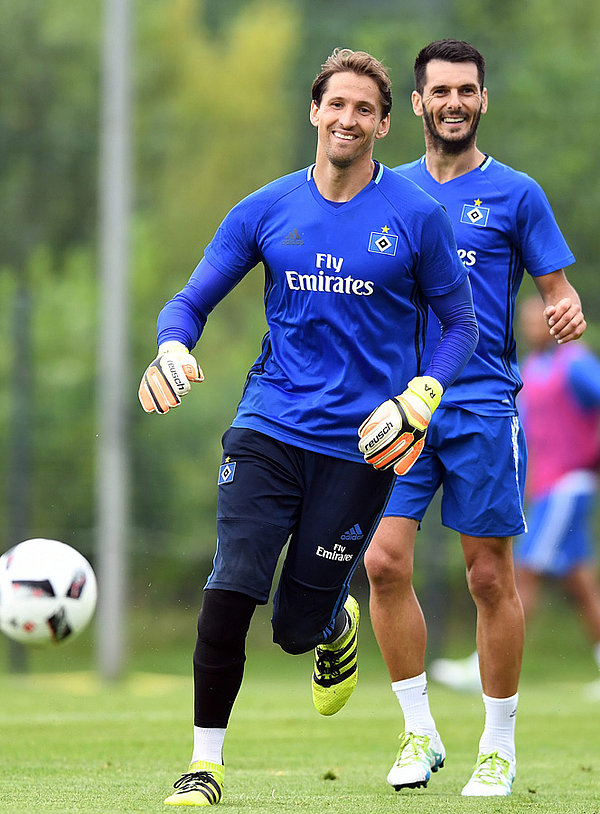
x: 355, y: 533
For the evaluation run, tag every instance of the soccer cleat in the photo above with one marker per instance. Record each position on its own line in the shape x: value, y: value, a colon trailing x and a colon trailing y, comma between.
x: 592, y: 690
x: 492, y: 777
x: 418, y: 756
x: 336, y: 666
x: 202, y: 785
x: 458, y: 674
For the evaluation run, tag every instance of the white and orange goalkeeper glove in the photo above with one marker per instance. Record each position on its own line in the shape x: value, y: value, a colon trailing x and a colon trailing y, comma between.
x: 394, y: 433
x: 168, y: 378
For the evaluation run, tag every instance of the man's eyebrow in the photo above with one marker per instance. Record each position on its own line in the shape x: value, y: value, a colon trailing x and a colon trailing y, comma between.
x: 444, y: 85
x: 360, y: 102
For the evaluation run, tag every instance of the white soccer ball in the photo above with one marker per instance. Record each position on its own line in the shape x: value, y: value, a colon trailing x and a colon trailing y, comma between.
x: 47, y: 592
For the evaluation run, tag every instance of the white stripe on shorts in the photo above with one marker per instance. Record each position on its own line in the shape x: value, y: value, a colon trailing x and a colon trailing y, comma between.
x: 515, y: 426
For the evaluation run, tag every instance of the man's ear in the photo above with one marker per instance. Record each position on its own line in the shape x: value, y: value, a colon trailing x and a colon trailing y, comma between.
x: 417, y: 103
x: 314, y: 114
x: 384, y: 127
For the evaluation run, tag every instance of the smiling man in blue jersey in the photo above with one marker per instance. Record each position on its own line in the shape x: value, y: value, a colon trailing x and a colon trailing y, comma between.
x: 354, y: 257
x: 475, y: 447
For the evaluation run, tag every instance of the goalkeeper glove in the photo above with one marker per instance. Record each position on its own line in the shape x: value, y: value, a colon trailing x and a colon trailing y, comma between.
x: 168, y: 378
x: 394, y: 433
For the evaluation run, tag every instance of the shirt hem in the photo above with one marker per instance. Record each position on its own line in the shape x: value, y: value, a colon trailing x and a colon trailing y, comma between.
x: 283, y: 434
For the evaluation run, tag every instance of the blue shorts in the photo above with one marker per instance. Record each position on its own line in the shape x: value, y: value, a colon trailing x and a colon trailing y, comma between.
x: 480, y: 462
x: 326, y: 509
x: 559, y: 534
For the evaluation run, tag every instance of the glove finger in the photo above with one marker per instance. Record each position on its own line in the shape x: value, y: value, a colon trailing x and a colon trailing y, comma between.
x: 402, y: 466
x: 384, y: 458
x: 366, y: 427
x: 160, y: 390
x: 145, y: 397
x: 417, y: 413
x: 193, y: 372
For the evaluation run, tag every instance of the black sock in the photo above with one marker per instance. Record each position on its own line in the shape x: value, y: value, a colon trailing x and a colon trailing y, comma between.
x: 342, y: 620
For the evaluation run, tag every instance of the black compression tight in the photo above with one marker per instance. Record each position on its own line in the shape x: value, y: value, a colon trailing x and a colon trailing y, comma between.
x: 220, y: 655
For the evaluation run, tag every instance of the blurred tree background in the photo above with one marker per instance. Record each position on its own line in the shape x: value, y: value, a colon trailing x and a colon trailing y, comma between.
x: 222, y: 91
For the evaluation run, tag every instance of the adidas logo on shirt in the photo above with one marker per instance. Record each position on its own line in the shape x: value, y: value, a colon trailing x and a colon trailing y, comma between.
x: 355, y: 533
x: 293, y: 239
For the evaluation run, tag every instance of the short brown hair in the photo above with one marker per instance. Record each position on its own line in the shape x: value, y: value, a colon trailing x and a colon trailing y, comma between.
x: 447, y: 51
x: 342, y: 60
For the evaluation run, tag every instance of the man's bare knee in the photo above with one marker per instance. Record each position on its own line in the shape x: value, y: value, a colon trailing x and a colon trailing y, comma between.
x: 389, y: 558
x: 384, y: 568
x: 485, y: 583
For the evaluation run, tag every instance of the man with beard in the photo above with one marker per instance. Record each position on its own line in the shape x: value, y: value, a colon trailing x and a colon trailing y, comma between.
x: 475, y: 448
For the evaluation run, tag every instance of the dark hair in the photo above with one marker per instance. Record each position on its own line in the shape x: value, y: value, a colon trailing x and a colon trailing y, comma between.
x: 358, y: 62
x: 447, y: 51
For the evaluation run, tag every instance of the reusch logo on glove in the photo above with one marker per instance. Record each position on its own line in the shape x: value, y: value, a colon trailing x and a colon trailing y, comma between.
x: 177, y: 381
x: 380, y: 435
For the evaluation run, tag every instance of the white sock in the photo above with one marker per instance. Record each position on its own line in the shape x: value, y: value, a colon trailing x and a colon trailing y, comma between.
x: 596, y: 651
x: 208, y: 744
x: 412, y: 696
x: 499, y: 729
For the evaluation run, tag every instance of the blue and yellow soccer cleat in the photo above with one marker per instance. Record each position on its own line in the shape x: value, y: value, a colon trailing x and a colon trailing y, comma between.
x: 417, y: 758
x: 202, y: 785
x: 336, y: 666
x: 492, y: 776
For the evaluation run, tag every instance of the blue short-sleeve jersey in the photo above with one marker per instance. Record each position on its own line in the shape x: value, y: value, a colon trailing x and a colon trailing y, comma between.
x: 503, y: 224
x: 346, y: 291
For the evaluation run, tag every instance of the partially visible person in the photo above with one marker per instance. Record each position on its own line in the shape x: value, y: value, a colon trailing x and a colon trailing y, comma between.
x: 354, y: 255
x: 475, y: 447
x: 560, y: 410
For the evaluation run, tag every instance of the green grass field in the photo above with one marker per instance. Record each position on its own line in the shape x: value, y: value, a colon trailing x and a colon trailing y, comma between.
x: 68, y: 742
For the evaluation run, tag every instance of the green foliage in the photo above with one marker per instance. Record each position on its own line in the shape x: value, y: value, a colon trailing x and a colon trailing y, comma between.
x: 221, y: 101
x: 63, y: 395
x: 48, y: 124
x: 214, y: 120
